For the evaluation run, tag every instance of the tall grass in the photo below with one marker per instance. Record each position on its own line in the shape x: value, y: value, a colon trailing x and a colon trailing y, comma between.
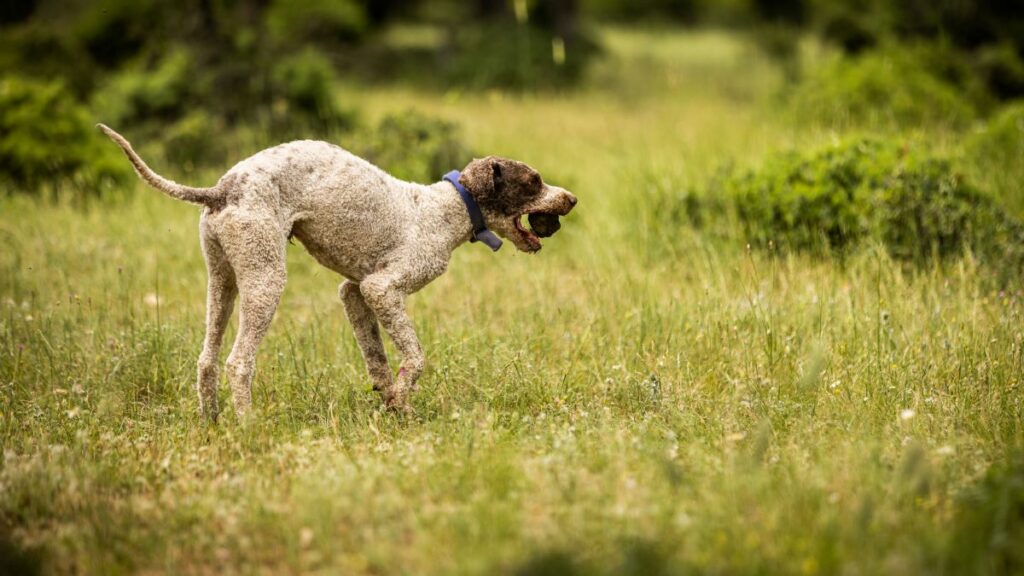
x: 632, y: 399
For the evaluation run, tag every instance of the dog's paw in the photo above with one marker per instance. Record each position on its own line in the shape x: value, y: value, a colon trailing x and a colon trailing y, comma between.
x: 209, y: 414
x: 401, y: 409
x: 396, y: 400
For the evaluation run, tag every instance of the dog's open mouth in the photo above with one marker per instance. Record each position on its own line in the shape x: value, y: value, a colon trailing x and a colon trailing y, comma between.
x: 542, y: 225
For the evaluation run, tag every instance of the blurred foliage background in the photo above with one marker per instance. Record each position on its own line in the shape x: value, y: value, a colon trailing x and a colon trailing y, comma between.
x: 186, y: 73
x: 781, y: 334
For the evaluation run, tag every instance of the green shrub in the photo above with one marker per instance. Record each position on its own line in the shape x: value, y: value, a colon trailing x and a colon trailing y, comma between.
x: 195, y: 140
x: 44, y: 53
x: 306, y: 82
x: 854, y: 25
x: 111, y: 30
x: 996, y: 155
x: 326, y: 21
x: 888, y: 191
x: 1001, y: 67
x: 515, y: 56
x: 414, y: 146
x: 46, y: 138
x: 881, y: 87
x: 141, y: 93
x: 182, y: 106
x: 1001, y: 140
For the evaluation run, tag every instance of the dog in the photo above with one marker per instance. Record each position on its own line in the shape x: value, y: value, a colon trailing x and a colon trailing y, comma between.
x: 387, y: 237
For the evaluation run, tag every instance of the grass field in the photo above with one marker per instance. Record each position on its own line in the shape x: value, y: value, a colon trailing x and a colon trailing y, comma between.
x: 637, y: 398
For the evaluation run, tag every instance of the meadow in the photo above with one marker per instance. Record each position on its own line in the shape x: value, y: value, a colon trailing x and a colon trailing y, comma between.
x: 641, y: 397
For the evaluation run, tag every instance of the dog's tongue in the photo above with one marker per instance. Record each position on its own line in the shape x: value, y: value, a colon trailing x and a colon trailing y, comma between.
x: 544, y: 225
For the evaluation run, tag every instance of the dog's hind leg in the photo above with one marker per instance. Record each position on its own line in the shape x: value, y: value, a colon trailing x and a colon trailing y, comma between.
x: 255, y: 247
x: 220, y: 299
x: 364, y: 324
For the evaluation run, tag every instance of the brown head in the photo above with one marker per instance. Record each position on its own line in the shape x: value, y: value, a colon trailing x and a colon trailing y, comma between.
x: 507, y: 190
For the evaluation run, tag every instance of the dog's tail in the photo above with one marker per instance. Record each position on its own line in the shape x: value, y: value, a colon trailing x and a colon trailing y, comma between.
x: 205, y: 196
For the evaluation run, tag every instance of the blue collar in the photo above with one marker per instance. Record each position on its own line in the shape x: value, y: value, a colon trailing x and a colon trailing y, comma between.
x: 476, y: 216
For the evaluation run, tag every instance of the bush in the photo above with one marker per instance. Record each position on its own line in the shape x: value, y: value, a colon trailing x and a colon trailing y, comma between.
x: 176, y: 103
x: 324, y: 21
x: 1002, y: 138
x: 967, y: 24
x: 889, y: 87
x: 1002, y: 69
x: 111, y: 30
x: 840, y: 196
x: 854, y: 25
x: 414, y: 146
x: 306, y: 82
x: 516, y: 56
x: 996, y: 155
x: 195, y: 140
x: 46, y: 138
x: 141, y: 93
x: 44, y: 53
x: 986, y: 35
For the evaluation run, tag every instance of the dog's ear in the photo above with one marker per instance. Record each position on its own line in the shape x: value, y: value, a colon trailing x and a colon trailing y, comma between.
x: 501, y: 184
x: 478, y: 177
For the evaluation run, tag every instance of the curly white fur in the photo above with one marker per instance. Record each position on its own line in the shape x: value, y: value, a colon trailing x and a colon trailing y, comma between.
x: 388, y: 237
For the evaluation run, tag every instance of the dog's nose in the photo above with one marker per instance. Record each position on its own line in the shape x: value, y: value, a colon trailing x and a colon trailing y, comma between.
x: 572, y: 200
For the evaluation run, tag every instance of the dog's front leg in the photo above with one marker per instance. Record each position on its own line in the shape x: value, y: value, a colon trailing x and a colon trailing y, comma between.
x: 364, y: 324
x: 385, y: 296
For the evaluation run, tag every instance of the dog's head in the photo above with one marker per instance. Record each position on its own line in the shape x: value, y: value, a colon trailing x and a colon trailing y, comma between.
x: 507, y: 190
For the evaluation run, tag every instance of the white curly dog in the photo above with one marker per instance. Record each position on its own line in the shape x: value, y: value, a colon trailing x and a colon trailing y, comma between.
x: 388, y: 237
